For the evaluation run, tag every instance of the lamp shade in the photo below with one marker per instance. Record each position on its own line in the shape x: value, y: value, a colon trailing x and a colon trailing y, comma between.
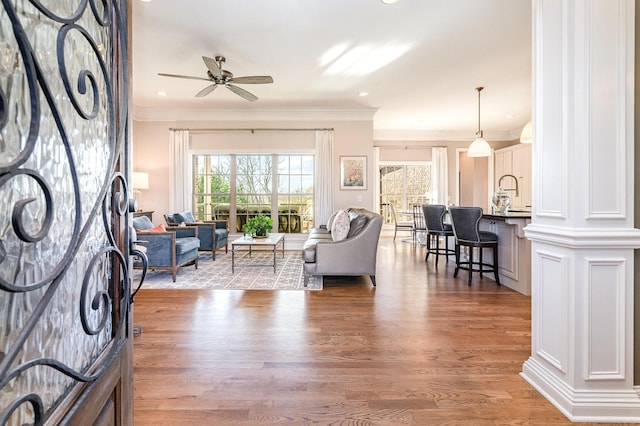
x: 479, y: 148
x: 140, y: 180
x: 527, y: 133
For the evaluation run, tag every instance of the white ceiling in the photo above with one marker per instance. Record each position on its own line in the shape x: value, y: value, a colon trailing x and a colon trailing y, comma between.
x: 443, y: 50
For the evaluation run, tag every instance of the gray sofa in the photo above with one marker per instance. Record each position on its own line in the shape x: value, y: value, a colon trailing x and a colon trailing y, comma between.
x: 355, y: 255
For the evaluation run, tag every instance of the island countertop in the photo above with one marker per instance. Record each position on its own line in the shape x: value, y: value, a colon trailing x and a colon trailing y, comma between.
x: 512, y: 214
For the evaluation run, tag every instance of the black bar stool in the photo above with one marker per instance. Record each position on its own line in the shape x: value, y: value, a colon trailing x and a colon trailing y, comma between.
x: 466, y: 228
x: 434, y: 217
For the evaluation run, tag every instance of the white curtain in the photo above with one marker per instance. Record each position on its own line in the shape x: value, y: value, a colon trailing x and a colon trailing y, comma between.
x: 179, y: 199
x: 439, y: 176
x: 376, y: 174
x: 324, y: 177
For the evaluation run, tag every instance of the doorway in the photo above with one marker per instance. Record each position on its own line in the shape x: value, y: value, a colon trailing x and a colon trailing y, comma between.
x: 472, y: 178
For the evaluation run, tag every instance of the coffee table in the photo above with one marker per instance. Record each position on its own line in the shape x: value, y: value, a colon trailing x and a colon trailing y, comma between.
x: 272, y: 241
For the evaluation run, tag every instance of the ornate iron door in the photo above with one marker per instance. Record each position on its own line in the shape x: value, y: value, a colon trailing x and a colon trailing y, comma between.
x: 65, y: 347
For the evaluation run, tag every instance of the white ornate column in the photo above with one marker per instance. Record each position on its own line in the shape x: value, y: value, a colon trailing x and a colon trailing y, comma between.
x: 582, y: 230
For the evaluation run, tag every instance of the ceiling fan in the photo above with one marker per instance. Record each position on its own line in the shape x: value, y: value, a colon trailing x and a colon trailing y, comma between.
x: 218, y: 76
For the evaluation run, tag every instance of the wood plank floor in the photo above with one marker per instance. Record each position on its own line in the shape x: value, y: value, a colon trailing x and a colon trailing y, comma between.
x: 422, y: 348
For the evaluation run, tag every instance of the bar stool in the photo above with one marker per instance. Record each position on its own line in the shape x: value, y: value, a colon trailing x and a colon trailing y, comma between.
x: 419, y: 224
x: 434, y: 217
x: 466, y: 228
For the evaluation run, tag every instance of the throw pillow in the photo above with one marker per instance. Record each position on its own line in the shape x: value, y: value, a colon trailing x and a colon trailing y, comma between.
x: 188, y: 217
x: 159, y: 228
x: 178, y: 218
x: 340, y: 226
x: 331, y: 219
x: 142, y: 223
x: 356, y: 225
x: 171, y: 219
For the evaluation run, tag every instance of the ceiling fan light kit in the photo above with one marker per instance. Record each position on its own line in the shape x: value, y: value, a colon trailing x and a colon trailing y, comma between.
x: 218, y: 76
x: 479, y: 147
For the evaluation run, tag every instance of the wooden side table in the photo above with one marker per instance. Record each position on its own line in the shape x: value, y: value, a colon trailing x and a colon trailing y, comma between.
x: 141, y: 213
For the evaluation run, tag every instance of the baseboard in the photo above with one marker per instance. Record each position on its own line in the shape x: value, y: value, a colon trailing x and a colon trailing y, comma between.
x: 605, y: 406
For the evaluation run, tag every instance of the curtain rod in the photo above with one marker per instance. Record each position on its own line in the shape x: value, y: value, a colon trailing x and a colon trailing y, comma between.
x: 255, y: 129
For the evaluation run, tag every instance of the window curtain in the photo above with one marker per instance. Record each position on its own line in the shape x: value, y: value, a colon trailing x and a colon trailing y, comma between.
x: 439, y: 176
x: 179, y: 191
x: 323, y: 203
x: 377, y: 207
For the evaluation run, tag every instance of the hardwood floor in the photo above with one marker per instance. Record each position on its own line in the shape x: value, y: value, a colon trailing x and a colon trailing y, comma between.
x: 422, y: 348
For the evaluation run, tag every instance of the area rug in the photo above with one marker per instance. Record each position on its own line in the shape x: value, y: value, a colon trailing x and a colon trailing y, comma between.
x: 251, y: 273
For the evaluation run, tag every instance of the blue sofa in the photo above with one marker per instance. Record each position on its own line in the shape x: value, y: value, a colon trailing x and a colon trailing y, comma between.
x: 166, y: 251
x: 213, y: 234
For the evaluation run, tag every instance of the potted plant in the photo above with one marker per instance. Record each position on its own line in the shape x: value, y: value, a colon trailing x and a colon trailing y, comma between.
x: 258, y: 226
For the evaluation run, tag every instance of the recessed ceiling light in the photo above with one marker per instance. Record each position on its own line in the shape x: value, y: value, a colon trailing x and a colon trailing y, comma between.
x: 388, y: 1
x: 161, y: 93
x: 363, y: 94
x: 146, y: 1
x: 509, y: 116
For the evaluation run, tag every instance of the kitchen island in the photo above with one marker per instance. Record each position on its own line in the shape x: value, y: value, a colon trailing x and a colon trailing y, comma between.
x: 514, y: 250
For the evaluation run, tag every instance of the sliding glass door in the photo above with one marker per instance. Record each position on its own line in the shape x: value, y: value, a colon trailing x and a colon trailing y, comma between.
x: 403, y: 185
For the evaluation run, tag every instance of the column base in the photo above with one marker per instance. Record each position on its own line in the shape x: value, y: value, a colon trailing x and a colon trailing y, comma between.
x: 605, y: 406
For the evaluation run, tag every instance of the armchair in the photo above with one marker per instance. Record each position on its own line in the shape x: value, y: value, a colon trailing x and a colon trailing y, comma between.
x: 213, y: 234
x: 169, y: 249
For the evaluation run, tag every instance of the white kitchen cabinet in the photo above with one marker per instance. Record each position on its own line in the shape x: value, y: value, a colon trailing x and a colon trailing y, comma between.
x: 515, y: 161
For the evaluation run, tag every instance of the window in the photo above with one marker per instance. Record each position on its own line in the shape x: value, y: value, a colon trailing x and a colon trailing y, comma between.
x: 295, y: 193
x: 212, y: 182
x: 237, y: 187
x: 253, y: 187
x: 403, y: 184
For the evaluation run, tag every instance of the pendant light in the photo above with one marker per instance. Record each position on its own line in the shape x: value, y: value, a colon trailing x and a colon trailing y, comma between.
x: 527, y: 133
x: 479, y: 147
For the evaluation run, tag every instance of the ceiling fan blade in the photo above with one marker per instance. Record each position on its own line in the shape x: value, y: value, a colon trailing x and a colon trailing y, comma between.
x: 183, y: 76
x: 212, y: 66
x: 241, y: 92
x: 206, y: 90
x: 254, y: 79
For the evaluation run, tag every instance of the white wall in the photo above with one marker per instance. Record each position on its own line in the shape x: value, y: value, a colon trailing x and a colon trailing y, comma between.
x: 355, y: 137
x: 151, y: 155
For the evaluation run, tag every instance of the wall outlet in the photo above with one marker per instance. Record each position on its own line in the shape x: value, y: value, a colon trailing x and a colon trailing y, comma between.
x: 359, y: 198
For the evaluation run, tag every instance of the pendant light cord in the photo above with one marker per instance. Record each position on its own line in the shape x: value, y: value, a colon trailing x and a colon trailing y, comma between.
x: 479, y: 89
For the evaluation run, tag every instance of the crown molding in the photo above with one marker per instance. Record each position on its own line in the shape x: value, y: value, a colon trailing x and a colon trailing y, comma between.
x: 442, y: 135
x: 299, y: 114
x: 313, y: 114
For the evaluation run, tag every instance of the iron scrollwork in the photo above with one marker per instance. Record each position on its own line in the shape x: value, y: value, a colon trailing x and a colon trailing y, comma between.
x: 62, y: 130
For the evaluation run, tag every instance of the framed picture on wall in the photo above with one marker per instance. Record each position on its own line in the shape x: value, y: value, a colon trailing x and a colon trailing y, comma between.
x: 353, y: 172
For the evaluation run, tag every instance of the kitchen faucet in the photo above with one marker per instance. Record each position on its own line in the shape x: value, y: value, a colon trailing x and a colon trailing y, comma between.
x: 510, y: 189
